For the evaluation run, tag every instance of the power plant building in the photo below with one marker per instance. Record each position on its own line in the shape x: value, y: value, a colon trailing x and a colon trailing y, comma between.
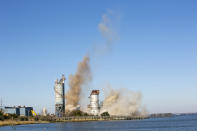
x: 59, y: 97
x: 94, y: 102
x: 21, y: 111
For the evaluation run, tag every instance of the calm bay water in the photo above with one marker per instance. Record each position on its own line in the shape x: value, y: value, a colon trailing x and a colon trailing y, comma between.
x: 176, y: 123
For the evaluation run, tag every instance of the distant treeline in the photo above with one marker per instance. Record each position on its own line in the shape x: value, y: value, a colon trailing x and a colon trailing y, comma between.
x: 4, y: 116
x: 75, y: 115
x: 81, y: 113
x: 161, y: 115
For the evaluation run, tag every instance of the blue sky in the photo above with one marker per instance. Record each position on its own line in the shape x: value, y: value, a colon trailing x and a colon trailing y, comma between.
x: 156, y: 53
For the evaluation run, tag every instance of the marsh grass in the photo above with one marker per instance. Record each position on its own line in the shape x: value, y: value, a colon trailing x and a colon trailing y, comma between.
x: 13, y: 122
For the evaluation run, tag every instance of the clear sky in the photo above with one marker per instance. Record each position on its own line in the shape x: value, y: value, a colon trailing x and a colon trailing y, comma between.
x: 156, y: 53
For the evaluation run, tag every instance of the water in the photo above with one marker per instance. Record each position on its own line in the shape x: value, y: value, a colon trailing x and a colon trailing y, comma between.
x: 176, y: 123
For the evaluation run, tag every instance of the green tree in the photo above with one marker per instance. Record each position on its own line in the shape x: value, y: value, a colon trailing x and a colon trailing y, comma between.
x: 76, y: 113
x: 105, y: 114
x: 1, y: 113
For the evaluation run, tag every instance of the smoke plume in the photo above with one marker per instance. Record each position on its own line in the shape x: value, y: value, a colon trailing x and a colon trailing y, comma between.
x: 122, y: 102
x: 76, y: 82
x: 83, y: 75
x: 106, y: 29
x: 116, y: 102
x: 110, y: 36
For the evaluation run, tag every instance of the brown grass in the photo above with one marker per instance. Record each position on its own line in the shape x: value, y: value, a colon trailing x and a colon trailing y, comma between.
x: 12, y: 122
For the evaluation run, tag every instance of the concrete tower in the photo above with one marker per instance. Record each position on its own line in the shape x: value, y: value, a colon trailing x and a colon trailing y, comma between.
x: 59, y: 97
x: 94, y: 102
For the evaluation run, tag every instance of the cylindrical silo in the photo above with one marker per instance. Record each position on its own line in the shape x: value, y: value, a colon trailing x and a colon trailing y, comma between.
x: 59, y: 97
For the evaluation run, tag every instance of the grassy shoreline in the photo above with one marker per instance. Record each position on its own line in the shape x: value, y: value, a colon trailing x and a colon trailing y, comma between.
x: 14, y: 122
x: 50, y: 119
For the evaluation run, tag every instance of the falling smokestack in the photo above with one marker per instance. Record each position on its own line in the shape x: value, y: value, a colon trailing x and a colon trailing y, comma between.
x: 59, y: 97
x: 94, y: 102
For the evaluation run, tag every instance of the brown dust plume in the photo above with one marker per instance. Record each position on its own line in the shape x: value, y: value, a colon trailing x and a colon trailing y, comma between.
x: 76, y: 82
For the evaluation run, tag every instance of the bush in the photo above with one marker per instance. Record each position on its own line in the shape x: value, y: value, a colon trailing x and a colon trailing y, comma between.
x: 7, y: 116
x: 85, y: 114
x: 13, y: 116
x: 36, y: 118
x: 2, y: 118
x: 105, y: 114
x: 23, y: 118
x: 1, y: 113
x: 76, y: 113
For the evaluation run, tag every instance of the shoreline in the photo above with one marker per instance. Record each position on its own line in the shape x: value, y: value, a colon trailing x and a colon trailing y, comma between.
x: 14, y: 122
x: 45, y: 120
x: 66, y: 119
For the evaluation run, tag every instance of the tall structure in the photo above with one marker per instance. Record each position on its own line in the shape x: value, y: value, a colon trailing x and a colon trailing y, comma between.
x: 44, y: 111
x: 94, y: 102
x: 59, y: 97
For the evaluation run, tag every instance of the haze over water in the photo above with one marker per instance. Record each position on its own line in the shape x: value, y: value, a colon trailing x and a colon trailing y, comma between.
x: 176, y: 123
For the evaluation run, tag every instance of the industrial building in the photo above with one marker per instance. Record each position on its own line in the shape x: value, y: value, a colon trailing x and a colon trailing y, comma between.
x: 21, y: 111
x: 94, y: 102
x: 59, y: 97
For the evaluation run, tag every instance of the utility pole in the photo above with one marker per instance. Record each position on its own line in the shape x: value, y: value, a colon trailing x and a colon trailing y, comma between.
x: 1, y: 102
x: 1, y: 107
